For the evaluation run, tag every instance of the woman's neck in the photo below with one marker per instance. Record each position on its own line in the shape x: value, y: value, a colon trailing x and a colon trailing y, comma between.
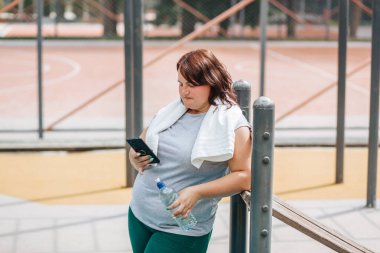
x: 198, y: 111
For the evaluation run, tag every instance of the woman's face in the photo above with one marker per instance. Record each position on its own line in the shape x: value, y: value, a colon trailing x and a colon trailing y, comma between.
x: 195, y: 98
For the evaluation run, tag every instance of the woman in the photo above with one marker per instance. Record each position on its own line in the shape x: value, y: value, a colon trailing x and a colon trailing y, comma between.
x: 204, y: 144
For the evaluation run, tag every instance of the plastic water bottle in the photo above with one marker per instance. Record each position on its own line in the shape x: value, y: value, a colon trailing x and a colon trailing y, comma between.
x: 168, y: 196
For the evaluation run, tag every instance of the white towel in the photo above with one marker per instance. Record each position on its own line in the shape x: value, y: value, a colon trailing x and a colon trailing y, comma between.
x: 216, y: 136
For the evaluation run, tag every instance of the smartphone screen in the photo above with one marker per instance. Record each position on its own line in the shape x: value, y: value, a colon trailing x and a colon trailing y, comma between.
x: 141, y: 147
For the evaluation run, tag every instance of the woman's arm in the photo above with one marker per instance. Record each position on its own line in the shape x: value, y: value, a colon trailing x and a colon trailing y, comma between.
x: 139, y: 162
x: 237, y: 181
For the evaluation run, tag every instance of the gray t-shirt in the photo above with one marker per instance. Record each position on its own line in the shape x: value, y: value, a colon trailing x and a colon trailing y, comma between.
x: 175, y: 169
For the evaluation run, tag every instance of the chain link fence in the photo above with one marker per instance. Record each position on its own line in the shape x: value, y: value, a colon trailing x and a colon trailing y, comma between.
x: 171, y: 19
x: 83, y: 93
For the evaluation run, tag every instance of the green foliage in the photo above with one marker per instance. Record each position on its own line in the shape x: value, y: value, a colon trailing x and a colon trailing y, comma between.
x: 252, y: 13
x: 167, y: 12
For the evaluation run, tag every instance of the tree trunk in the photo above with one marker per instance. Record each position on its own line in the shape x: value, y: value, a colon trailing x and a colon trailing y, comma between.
x: 59, y: 10
x: 290, y: 22
x: 188, y: 23
x: 109, y: 24
x: 355, y: 17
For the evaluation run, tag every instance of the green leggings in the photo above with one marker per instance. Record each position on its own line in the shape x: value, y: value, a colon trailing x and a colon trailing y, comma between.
x: 147, y: 240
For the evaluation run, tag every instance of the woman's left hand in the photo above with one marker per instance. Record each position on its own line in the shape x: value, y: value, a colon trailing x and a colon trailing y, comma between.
x: 186, y: 200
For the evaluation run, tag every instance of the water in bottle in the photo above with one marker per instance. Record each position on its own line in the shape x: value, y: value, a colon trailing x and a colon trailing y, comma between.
x: 168, y: 196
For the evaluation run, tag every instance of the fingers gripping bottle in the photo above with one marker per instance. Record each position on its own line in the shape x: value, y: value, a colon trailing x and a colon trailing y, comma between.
x: 167, y: 196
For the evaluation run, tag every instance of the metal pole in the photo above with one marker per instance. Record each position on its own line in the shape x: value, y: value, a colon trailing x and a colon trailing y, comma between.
x: 135, y: 12
x: 261, y: 182
x: 129, y: 104
x: 39, y: 66
x: 138, y: 64
x: 374, y: 110
x: 238, y: 208
x: 342, y: 59
x: 263, y: 42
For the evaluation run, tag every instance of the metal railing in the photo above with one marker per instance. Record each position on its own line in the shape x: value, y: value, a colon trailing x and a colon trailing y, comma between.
x: 306, y: 225
x: 262, y: 162
x: 262, y: 167
x: 136, y: 76
x: 262, y: 204
x: 238, y: 210
x: 374, y: 111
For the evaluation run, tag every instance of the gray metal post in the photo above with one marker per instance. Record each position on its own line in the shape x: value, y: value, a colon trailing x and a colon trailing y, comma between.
x: 39, y: 67
x: 129, y: 86
x: 134, y: 13
x: 261, y: 183
x: 374, y: 110
x: 138, y: 64
x: 263, y: 42
x: 238, y: 208
x: 342, y: 59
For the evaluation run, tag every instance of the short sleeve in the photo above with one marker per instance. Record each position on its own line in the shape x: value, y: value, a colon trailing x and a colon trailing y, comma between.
x: 243, y: 122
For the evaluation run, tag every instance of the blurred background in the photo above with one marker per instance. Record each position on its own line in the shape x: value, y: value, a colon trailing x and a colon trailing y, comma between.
x: 83, y: 62
x: 67, y: 191
x: 171, y: 19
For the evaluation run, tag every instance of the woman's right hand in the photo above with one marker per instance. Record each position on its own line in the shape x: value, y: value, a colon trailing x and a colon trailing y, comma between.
x: 139, y: 162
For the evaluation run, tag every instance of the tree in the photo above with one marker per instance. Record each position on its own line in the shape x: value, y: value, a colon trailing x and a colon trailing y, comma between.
x: 166, y: 12
x: 290, y: 22
x: 252, y: 14
x: 109, y: 24
x: 188, y: 23
x: 355, y: 18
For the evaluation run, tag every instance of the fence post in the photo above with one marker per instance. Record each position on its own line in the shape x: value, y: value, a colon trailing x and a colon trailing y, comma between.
x: 238, y: 208
x: 341, y: 108
x: 264, y: 6
x: 130, y: 131
x: 374, y: 108
x: 261, y: 182
x: 40, y: 6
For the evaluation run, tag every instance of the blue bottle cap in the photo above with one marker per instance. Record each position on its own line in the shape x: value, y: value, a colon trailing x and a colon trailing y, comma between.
x: 160, y: 184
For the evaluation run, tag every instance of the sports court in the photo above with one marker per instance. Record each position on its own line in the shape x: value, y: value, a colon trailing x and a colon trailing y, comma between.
x: 77, y: 72
x: 67, y: 192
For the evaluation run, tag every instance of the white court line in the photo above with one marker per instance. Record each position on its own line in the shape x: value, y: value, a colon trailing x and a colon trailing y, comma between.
x: 311, y: 44
x: 301, y: 64
x: 5, y: 29
x: 9, y: 88
x: 76, y: 68
x: 17, y: 73
x: 165, y: 43
x: 319, y: 71
x: 331, y: 77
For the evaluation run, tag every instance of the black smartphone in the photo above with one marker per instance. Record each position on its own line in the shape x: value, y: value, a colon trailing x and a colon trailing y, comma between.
x: 140, y: 146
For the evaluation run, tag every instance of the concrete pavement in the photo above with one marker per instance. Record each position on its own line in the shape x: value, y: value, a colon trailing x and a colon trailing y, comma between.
x: 76, y: 202
x: 29, y: 227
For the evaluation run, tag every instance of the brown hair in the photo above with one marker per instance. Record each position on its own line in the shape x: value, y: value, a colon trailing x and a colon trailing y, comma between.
x: 201, y: 67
